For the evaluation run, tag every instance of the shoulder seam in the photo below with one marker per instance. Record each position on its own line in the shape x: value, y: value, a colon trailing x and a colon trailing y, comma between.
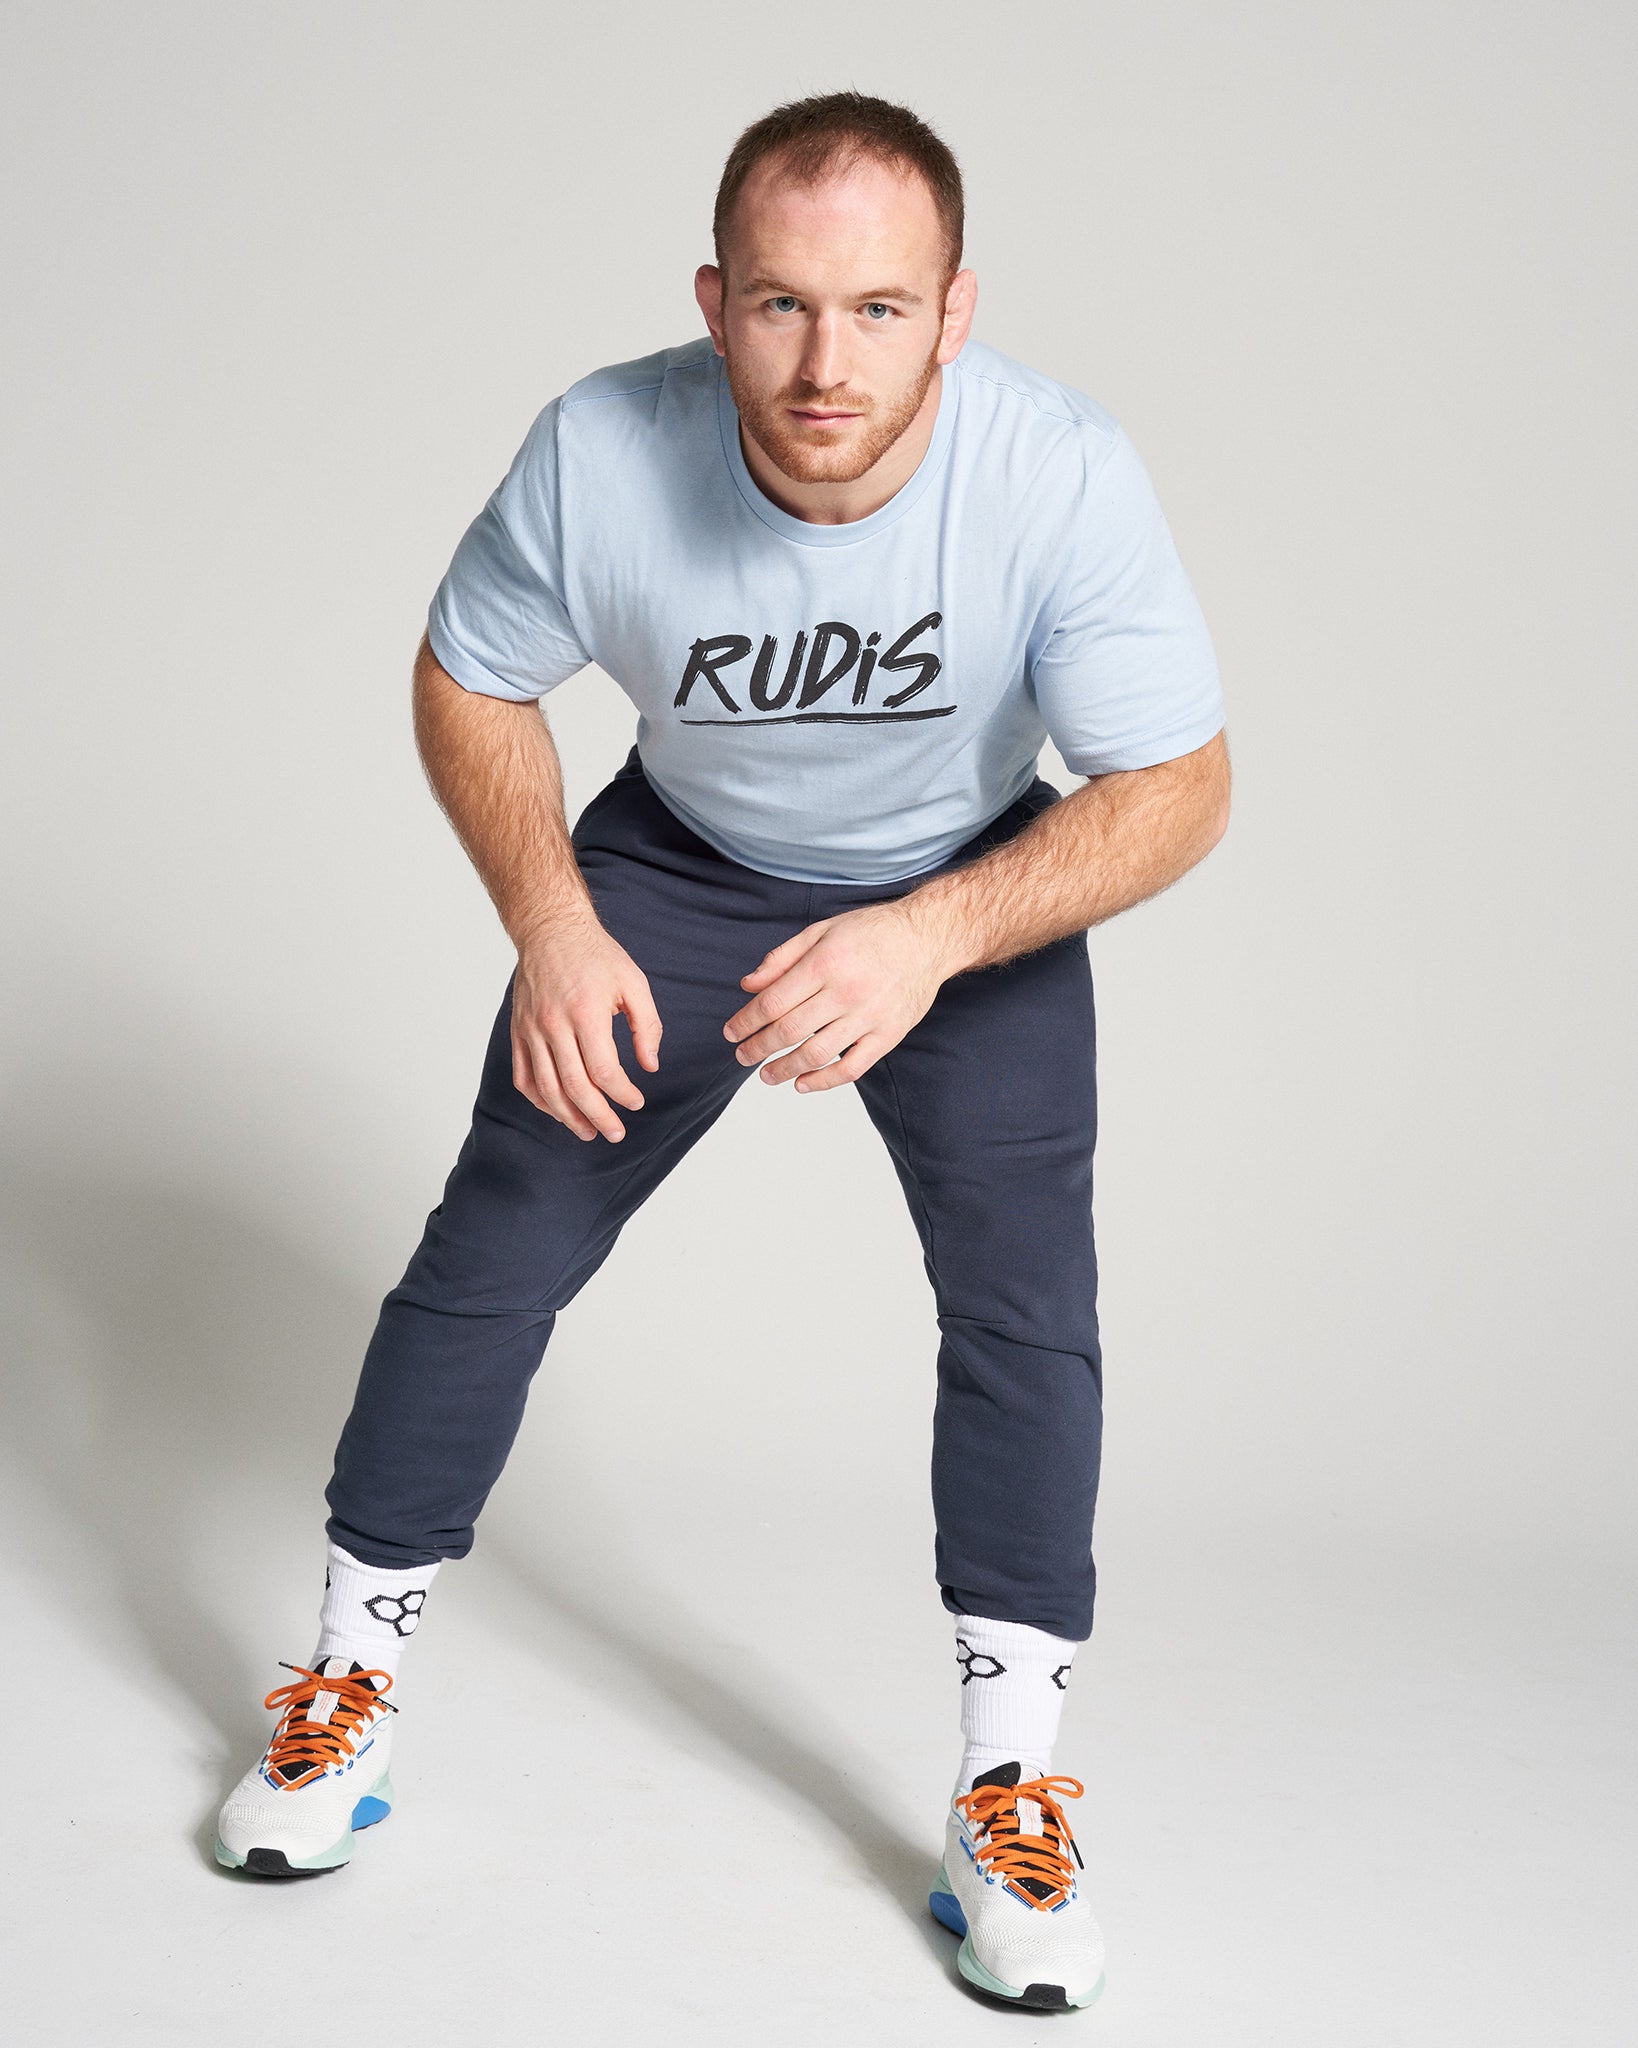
x: 1069, y: 419
x: 568, y: 401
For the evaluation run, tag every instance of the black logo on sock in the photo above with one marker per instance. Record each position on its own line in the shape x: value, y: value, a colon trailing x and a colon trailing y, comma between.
x: 401, y: 1611
x: 976, y: 1663
x: 1060, y: 1678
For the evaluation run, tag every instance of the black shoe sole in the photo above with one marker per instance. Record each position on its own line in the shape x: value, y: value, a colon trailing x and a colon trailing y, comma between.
x: 274, y: 1863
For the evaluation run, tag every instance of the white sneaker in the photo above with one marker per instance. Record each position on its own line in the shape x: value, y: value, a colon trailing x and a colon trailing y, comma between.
x: 1008, y: 1888
x: 323, y: 1775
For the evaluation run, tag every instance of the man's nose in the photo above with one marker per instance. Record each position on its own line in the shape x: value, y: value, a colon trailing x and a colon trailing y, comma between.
x: 824, y: 360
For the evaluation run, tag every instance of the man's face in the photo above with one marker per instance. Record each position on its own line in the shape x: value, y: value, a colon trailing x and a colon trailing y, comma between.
x: 833, y: 314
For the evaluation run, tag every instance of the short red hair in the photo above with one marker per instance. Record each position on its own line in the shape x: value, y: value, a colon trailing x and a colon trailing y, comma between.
x: 814, y: 137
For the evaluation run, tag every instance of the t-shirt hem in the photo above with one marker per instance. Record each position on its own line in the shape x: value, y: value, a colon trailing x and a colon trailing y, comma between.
x: 469, y: 672
x: 1150, y: 753
x: 808, y: 879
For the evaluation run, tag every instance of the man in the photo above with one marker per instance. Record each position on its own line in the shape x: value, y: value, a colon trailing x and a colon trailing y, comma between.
x: 853, y: 571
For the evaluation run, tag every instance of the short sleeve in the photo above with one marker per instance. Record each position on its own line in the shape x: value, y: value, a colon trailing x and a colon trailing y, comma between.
x: 498, y: 621
x: 1127, y: 676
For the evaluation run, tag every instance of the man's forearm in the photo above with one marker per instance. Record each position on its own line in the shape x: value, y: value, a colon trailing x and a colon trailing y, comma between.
x: 494, y: 769
x: 1114, y: 842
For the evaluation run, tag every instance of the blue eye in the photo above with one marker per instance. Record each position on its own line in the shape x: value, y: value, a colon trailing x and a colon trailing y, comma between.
x: 877, y: 310
x: 783, y: 304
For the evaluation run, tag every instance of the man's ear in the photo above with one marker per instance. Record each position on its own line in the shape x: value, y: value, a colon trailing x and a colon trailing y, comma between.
x: 708, y: 294
x: 960, y: 301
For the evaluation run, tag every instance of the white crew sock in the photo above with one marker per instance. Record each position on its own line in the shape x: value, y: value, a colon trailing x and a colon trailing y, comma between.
x: 1013, y: 1681
x: 368, y: 1614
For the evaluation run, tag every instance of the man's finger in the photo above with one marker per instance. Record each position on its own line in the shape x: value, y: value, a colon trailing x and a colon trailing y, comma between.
x: 535, y: 1077
x: 795, y: 986
x: 775, y: 963
x: 792, y: 1029
x: 817, y: 1051
x: 594, y: 1038
x: 857, y: 1060
x: 523, y: 1075
x: 581, y: 1091
x: 644, y: 1019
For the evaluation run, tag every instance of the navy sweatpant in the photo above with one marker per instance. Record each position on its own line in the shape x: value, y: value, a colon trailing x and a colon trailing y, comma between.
x: 988, y: 1110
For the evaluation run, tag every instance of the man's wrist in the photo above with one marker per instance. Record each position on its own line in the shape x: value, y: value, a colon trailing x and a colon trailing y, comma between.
x: 940, y: 917
x: 574, y: 918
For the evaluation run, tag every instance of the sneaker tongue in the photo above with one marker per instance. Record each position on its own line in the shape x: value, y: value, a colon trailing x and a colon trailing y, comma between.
x: 336, y: 1667
x: 332, y: 1667
x: 342, y: 1666
x: 1031, y: 1819
x: 323, y: 1706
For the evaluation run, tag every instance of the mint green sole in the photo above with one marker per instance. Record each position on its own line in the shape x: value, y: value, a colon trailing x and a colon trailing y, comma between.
x: 380, y: 1796
x: 969, y: 1965
x: 975, y: 1973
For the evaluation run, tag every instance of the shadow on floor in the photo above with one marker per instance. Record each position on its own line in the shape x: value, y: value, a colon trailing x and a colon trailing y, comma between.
x: 176, y: 1371
x: 574, y: 1615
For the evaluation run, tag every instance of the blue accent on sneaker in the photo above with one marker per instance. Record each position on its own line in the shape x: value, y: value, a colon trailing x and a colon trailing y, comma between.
x: 369, y: 1810
x: 946, y: 1910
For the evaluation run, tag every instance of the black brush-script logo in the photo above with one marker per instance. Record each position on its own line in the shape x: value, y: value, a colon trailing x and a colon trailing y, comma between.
x: 816, y: 666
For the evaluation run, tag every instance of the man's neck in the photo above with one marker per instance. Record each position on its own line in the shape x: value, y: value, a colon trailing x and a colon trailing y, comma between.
x: 842, y: 504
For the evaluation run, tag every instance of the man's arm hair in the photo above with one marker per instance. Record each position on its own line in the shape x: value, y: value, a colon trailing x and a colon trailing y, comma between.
x: 835, y: 997
x: 494, y: 769
x: 1115, y: 841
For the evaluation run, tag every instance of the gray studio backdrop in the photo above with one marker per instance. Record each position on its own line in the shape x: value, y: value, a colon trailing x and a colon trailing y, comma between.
x: 284, y: 288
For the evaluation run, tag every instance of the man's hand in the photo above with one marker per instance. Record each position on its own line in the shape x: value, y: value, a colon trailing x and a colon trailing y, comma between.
x: 572, y: 980
x: 840, y: 994
x: 495, y: 771
x: 854, y: 985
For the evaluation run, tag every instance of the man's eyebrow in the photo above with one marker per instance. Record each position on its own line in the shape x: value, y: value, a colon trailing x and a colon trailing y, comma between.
x: 897, y: 292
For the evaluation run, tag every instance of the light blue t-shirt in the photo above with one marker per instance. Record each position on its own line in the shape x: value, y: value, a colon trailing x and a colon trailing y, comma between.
x: 839, y: 703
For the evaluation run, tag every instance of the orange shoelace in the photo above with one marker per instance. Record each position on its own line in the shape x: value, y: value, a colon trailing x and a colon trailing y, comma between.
x: 1035, y: 1868
x: 302, y: 1748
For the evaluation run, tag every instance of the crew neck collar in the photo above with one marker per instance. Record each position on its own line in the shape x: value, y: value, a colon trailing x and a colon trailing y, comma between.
x: 806, y: 532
